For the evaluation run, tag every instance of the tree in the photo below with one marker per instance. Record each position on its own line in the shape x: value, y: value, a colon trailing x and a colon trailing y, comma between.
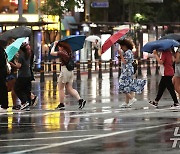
x: 58, y: 7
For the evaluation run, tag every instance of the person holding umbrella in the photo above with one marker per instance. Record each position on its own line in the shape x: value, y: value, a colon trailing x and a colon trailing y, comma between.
x: 22, y: 86
x: 167, y: 72
x: 3, y: 74
x: 127, y: 83
x: 96, y: 47
x: 65, y: 79
x: 176, y: 78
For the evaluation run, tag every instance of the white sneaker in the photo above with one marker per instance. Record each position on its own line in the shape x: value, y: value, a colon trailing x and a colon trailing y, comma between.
x: 132, y: 101
x: 23, y: 106
x: 124, y: 105
x: 3, y: 110
x: 175, y: 106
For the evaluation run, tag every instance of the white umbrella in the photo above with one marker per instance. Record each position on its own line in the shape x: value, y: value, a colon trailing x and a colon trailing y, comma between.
x: 92, y: 38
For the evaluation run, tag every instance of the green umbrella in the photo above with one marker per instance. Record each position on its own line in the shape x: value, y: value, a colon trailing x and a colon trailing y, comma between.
x: 13, y: 48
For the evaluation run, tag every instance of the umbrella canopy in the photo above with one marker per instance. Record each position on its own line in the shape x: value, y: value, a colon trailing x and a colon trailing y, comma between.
x: 13, y: 48
x: 92, y: 38
x: 160, y: 45
x: 171, y: 36
x: 75, y: 41
x: 112, y: 39
x: 15, y: 33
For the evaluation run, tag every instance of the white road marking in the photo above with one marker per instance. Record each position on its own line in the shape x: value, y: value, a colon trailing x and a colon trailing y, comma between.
x: 91, y: 138
x: 48, y: 138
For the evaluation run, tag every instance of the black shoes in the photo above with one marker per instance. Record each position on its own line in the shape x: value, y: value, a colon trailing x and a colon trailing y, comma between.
x: 153, y: 103
x: 61, y: 106
x: 24, y: 106
x: 16, y: 107
x: 175, y: 106
x: 34, y: 101
x: 82, y: 103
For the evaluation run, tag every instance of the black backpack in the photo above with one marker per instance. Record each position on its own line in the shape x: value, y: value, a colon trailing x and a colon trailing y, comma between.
x: 70, y: 65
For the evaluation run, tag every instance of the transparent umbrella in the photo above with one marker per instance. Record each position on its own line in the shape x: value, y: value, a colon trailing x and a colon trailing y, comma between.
x: 92, y: 38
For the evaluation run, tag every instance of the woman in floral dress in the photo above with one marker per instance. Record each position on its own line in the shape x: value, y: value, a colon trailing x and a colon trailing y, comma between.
x: 127, y: 83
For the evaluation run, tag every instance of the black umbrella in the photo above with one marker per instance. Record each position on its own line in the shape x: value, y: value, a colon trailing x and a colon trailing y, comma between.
x: 171, y: 36
x: 15, y: 33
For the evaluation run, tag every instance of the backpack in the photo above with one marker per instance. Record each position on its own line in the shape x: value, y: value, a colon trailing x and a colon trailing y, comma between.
x: 70, y: 65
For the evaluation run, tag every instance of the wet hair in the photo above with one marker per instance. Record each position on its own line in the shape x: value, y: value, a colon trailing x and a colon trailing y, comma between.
x: 66, y: 46
x: 128, y: 43
x: 24, y: 49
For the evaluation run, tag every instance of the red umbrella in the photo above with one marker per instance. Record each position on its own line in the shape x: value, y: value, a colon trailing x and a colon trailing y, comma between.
x: 112, y: 39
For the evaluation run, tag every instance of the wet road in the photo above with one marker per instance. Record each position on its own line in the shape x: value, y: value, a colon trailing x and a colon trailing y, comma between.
x: 101, y: 127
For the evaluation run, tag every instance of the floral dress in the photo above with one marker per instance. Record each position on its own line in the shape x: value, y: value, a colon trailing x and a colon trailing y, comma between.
x: 127, y: 83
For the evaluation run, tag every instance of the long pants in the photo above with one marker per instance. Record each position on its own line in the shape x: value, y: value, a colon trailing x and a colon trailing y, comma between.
x: 166, y: 82
x: 3, y: 93
x: 22, y: 89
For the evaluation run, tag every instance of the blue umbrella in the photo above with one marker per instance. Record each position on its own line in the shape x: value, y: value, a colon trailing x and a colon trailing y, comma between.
x: 160, y: 45
x: 173, y: 36
x: 75, y: 41
x: 14, y: 47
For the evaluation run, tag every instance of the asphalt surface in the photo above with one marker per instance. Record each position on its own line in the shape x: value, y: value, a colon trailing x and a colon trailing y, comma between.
x: 102, y: 127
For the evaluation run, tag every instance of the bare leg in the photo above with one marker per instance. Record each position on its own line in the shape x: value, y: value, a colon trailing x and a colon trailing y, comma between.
x: 14, y: 97
x: 72, y: 91
x: 128, y: 97
x: 61, y: 92
x: 176, y: 82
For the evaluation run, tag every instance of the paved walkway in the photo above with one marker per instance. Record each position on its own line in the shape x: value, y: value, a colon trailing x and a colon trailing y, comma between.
x: 101, y: 127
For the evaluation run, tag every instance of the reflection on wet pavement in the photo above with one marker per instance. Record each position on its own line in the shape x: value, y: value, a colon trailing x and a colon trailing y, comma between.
x: 101, y: 127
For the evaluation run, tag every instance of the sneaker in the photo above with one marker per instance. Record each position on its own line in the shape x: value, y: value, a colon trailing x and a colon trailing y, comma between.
x: 34, y: 101
x: 175, y: 106
x: 82, y: 103
x: 16, y: 107
x: 27, y: 108
x: 3, y: 110
x: 132, y: 101
x: 61, y: 106
x: 153, y: 103
x: 124, y: 105
x: 23, y: 106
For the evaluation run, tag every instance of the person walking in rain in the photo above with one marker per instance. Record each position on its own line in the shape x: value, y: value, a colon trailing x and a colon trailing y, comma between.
x: 96, y: 47
x: 176, y: 78
x: 127, y: 83
x: 22, y: 86
x: 167, y: 72
x: 3, y: 75
x: 65, y: 79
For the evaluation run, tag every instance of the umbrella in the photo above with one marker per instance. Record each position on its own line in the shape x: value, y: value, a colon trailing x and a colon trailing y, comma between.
x: 112, y: 39
x: 75, y: 41
x: 92, y: 38
x: 13, y: 48
x: 15, y: 33
x: 171, y: 36
x: 160, y: 45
